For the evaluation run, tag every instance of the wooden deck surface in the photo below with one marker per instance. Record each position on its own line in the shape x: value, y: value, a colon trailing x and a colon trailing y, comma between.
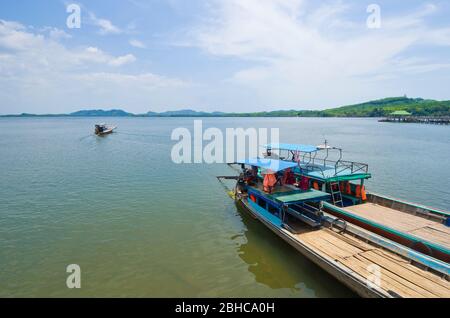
x: 428, y: 230
x: 397, y: 274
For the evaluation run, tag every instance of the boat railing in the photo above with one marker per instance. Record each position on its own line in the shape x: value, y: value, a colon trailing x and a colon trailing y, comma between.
x: 339, y: 166
x: 353, y: 166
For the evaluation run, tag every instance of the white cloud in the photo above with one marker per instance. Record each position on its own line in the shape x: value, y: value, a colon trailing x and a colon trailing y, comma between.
x: 122, y: 60
x: 140, y: 81
x: 300, y: 51
x: 137, y: 43
x: 13, y: 37
x: 277, y: 54
x: 39, y: 73
x: 57, y: 34
x: 106, y: 26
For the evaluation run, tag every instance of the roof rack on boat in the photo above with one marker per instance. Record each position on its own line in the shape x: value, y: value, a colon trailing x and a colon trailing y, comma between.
x: 322, y: 168
x: 293, y: 147
x: 274, y: 165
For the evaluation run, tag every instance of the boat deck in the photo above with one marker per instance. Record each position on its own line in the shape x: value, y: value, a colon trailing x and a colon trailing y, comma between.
x: 428, y: 230
x: 398, y: 276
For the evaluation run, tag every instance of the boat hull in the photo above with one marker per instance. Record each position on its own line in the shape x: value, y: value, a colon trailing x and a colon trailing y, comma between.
x: 341, y: 274
x: 106, y: 132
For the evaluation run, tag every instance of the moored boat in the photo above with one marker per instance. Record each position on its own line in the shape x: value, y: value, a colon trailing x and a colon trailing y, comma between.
x: 418, y: 227
x: 350, y: 253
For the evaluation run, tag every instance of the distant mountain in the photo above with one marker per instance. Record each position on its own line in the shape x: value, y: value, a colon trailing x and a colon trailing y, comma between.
x: 375, y: 108
x: 186, y: 113
x: 101, y: 113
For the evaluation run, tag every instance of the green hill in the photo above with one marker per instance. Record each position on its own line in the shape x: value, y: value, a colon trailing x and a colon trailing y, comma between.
x: 383, y: 107
x: 376, y: 108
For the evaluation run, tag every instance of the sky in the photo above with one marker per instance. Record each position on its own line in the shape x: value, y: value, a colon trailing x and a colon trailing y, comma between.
x: 220, y: 55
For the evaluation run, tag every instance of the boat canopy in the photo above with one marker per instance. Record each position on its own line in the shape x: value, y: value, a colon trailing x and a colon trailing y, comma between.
x: 274, y: 165
x: 293, y: 147
x: 299, y: 196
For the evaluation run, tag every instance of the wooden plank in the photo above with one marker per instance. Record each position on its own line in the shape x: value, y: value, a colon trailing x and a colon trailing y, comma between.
x: 427, y: 275
x: 341, y: 243
x: 400, y: 283
x: 406, y: 273
x: 397, y: 250
x: 433, y: 234
x: 323, y: 245
x: 363, y: 246
x: 340, y: 271
x: 387, y: 284
x: 426, y: 229
x: 339, y: 248
x: 389, y: 217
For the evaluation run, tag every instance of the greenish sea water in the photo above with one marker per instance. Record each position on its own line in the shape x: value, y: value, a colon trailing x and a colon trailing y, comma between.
x: 140, y: 225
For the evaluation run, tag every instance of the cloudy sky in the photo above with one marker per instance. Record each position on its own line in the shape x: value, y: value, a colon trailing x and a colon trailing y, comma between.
x: 226, y: 55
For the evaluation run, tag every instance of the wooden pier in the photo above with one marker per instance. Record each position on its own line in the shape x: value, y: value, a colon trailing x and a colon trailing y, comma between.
x: 439, y: 120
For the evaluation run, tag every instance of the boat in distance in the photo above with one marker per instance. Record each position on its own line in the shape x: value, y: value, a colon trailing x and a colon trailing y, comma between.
x: 103, y: 129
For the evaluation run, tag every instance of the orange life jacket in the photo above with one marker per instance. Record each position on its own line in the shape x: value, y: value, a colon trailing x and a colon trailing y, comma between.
x: 363, y: 193
x: 316, y: 185
x: 358, y: 191
x: 269, y: 181
x: 349, y: 188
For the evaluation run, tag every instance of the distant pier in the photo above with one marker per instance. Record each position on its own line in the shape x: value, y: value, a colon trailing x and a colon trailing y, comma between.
x: 440, y: 120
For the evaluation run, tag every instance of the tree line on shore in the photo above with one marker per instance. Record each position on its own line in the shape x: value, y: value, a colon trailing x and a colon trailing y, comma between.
x: 376, y: 108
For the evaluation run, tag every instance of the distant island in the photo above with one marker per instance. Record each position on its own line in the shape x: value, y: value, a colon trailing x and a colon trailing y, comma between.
x: 376, y: 108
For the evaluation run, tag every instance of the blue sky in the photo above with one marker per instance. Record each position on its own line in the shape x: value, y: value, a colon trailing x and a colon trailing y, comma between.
x: 226, y: 55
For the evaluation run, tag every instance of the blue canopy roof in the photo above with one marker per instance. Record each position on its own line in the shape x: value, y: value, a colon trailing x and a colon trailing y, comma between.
x: 274, y: 165
x: 293, y: 147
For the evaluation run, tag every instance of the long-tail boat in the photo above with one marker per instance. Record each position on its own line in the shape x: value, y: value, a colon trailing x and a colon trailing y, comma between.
x: 416, y: 226
x: 103, y: 129
x: 369, y: 264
